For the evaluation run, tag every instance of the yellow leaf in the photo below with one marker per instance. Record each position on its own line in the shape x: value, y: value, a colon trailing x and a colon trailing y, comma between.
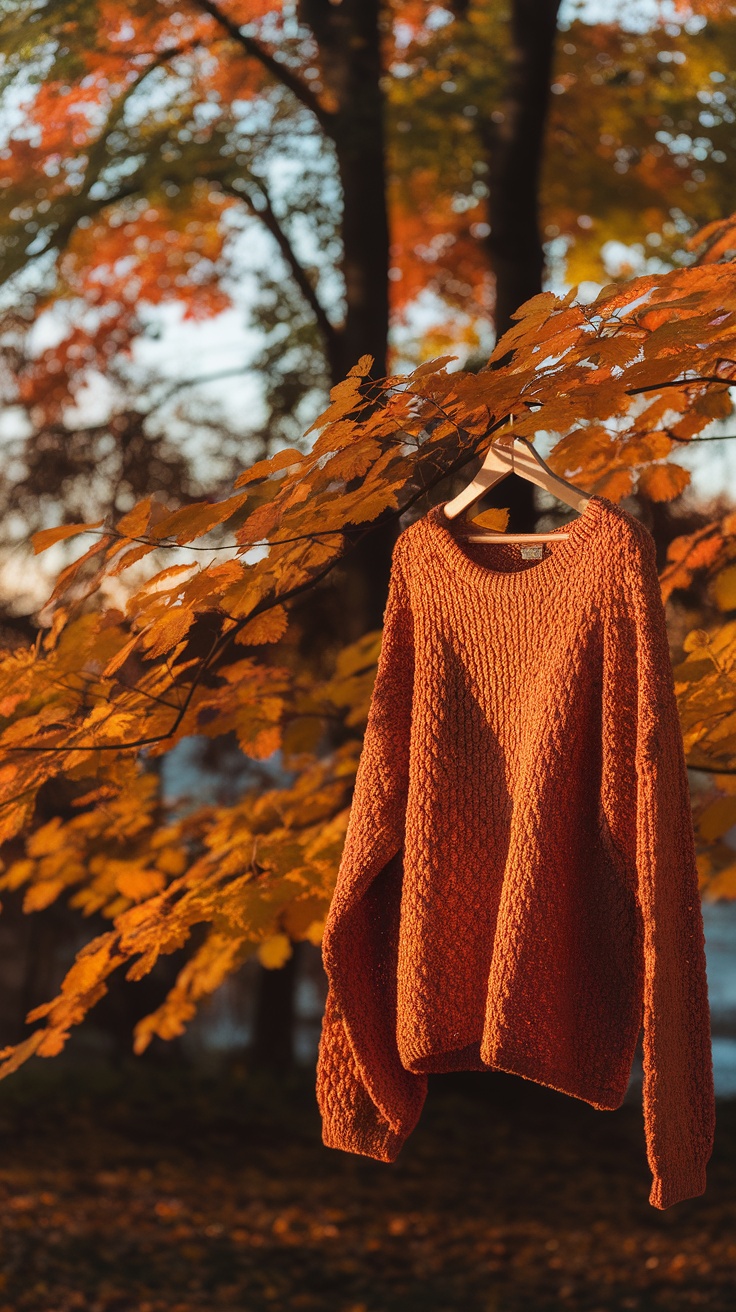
x: 94, y: 962
x: 615, y: 485
x: 13, y: 818
x: 274, y: 951
x: 283, y: 459
x: 46, y: 840
x: 722, y: 885
x: 663, y: 482
x: 537, y: 307
x: 17, y: 874
x: 57, y: 624
x: 355, y: 460
x: 47, y: 537
x: 643, y: 448
x: 172, y: 860
x: 724, y: 588
x: 302, y: 735
x: 120, y: 656
x: 362, y: 368
x: 495, y: 518
x: 314, y: 932
x: 696, y: 639
x: 40, y: 896
x: 52, y: 1043
x: 138, y: 884
x: 717, y: 818
x: 196, y: 520
x: 268, y: 627
x: 136, y: 520
x: 432, y: 366
x: 14, y: 1056
x: 130, y: 557
x: 167, y: 631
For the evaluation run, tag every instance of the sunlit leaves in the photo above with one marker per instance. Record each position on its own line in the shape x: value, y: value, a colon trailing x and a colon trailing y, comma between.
x: 206, y: 645
x: 274, y: 951
x: 48, y: 537
x: 724, y: 588
x: 663, y: 482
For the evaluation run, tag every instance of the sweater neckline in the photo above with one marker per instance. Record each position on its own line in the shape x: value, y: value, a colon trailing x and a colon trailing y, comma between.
x: 580, y: 530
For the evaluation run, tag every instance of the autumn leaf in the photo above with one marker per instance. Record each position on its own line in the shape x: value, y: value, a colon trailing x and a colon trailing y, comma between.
x: 166, y: 631
x: 135, y: 667
x: 274, y: 951
x: 135, y: 522
x: 48, y: 537
x: 268, y: 627
x: 195, y: 521
x: 139, y: 884
x: 494, y: 518
x: 724, y: 588
x: 663, y: 482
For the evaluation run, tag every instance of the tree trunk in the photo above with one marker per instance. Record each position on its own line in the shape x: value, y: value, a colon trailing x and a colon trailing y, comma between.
x: 272, y: 1047
x: 349, y: 39
x: 514, y: 145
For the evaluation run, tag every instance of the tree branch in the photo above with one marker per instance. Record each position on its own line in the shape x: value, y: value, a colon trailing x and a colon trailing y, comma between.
x: 275, y: 67
x: 681, y: 382
x: 330, y: 334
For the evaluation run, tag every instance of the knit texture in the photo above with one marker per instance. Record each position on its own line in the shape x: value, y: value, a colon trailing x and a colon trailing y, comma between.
x: 518, y: 887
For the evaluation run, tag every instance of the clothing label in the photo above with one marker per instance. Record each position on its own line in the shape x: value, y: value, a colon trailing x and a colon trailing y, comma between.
x: 532, y: 553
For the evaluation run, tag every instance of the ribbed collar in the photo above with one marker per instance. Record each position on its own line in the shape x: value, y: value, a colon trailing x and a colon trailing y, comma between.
x: 582, y: 532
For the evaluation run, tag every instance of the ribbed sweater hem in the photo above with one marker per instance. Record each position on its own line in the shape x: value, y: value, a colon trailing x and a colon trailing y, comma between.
x: 383, y: 1144
x: 682, y: 1183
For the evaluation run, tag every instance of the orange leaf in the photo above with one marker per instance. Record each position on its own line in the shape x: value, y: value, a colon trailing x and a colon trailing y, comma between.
x: 432, y: 366
x: 615, y: 485
x: 40, y: 896
x: 190, y: 522
x: 262, y: 468
x: 495, y: 518
x: 354, y: 461
x: 130, y: 557
x: 136, y: 520
x: 47, y: 537
x: 167, y: 631
x: 362, y: 368
x: 268, y: 627
x: 120, y: 656
x: 139, y: 884
x: 663, y: 482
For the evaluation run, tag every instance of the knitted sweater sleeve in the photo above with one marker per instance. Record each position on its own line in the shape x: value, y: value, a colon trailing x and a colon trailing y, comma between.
x: 369, y: 1103
x: 678, y: 1097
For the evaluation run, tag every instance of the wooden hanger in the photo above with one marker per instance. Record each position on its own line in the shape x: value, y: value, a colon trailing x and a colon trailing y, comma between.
x: 520, y: 458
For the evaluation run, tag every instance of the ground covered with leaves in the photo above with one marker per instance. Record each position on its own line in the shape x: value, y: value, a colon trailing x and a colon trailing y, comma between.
x: 151, y: 1188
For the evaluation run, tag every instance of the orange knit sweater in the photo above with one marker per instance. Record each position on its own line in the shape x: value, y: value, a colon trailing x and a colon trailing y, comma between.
x: 518, y: 888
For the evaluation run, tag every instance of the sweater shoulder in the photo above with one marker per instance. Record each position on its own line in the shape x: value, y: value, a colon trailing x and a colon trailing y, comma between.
x: 630, y: 534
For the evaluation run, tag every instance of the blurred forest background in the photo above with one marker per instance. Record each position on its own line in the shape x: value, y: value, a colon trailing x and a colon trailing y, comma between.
x: 209, y: 213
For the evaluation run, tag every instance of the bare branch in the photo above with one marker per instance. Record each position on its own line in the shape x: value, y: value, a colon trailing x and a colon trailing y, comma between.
x: 330, y: 334
x: 275, y: 67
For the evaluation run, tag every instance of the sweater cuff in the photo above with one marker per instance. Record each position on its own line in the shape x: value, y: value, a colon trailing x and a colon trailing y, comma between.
x: 377, y: 1140
x: 677, y: 1186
